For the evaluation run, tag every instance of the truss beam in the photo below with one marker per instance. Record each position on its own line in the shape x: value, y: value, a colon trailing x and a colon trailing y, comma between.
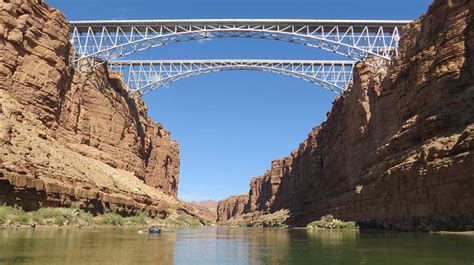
x: 143, y: 76
x: 356, y: 39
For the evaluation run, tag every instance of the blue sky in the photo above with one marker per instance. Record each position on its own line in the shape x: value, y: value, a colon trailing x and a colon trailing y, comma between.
x: 231, y: 125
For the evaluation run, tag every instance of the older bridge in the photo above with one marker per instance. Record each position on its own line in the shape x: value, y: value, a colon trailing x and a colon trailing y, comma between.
x: 144, y: 76
x: 355, y: 39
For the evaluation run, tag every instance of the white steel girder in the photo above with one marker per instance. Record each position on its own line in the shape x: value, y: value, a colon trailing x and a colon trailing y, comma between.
x: 356, y: 39
x: 143, y: 76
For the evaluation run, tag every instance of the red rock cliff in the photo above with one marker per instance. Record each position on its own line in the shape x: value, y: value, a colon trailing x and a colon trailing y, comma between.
x: 96, y: 118
x: 83, y: 117
x: 396, y: 150
x: 231, y: 206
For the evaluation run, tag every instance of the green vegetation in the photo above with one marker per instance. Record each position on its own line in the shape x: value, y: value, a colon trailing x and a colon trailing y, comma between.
x: 10, y: 214
x: 21, y: 218
x: 5, y: 212
x: 74, y: 216
x: 45, y: 216
x: 181, y: 220
x: 112, y: 219
x: 140, y: 219
x: 329, y: 222
x: 61, y: 216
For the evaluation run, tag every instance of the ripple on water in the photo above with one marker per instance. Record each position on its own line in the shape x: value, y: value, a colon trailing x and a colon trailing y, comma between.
x: 218, y: 245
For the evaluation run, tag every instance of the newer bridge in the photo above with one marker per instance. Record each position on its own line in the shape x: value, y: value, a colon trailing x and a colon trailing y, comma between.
x: 358, y: 40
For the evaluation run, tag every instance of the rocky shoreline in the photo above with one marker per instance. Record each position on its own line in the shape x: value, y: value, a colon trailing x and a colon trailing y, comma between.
x: 14, y: 218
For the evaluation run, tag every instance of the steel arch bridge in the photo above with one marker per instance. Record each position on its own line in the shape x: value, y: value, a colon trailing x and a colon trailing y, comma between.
x: 145, y: 76
x: 356, y: 39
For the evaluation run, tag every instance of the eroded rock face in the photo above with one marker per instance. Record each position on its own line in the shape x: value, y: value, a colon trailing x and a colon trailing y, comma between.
x: 208, y: 214
x: 99, y: 120
x: 76, y: 119
x: 397, y: 149
x: 36, y: 170
x: 232, y: 206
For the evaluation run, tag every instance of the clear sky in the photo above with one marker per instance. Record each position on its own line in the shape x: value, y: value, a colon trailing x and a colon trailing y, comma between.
x: 231, y: 125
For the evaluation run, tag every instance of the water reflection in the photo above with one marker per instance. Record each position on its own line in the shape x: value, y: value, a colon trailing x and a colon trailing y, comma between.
x: 74, y: 246
x: 218, y: 245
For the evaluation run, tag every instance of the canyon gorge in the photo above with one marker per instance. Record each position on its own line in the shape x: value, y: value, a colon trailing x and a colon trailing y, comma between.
x: 396, y: 151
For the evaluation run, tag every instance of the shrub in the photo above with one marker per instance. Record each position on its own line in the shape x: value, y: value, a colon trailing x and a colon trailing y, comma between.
x: 140, y: 219
x: 57, y: 216
x: 21, y: 218
x: 16, y: 216
x: 329, y: 222
x: 5, y: 212
x: 111, y: 219
x: 75, y: 205
x: 59, y: 220
x: 182, y: 220
x: 86, y: 217
x: 3, y: 217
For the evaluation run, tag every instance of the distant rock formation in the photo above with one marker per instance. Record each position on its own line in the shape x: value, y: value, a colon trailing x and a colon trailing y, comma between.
x: 208, y: 203
x: 206, y: 210
x: 230, y: 207
x: 74, y: 136
x: 396, y: 150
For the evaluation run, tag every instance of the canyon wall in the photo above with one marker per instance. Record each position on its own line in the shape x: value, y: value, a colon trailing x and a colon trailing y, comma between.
x: 206, y: 212
x: 73, y: 135
x: 232, y: 206
x: 396, y: 150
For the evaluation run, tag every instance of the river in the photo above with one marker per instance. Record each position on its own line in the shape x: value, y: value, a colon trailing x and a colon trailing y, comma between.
x: 220, y: 245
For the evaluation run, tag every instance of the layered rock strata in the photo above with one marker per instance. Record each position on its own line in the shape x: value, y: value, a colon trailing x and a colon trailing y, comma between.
x: 232, y: 206
x: 396, y: 150
x: 73, y: 135
x: 207, y: 214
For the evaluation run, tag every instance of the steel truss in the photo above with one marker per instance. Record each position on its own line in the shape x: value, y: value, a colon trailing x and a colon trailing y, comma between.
x: 144, y: 76
x: 357, y: 39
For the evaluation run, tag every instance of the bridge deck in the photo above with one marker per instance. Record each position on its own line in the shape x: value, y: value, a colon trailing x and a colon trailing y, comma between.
x: 232, y: 61
x: 98, y: 25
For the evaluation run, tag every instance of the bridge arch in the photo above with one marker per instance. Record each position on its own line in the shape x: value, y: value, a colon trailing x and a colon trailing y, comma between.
x: 356, y: 39
x: 146, y: 76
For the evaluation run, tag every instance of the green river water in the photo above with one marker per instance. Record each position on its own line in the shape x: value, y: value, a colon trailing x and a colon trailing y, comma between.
x: 220, y: 245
